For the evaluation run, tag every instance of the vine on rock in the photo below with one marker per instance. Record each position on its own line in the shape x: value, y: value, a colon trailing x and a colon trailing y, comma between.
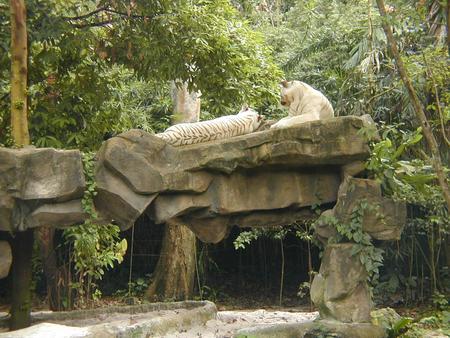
x: 94, y: 247
x: 370, y: 256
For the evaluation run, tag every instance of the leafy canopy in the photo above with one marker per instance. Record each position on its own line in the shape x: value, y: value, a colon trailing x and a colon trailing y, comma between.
x: 79, y: 54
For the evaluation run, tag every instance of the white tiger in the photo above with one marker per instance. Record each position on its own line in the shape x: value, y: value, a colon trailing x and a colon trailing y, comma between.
x: 304, y: 103
x: 245, y: 122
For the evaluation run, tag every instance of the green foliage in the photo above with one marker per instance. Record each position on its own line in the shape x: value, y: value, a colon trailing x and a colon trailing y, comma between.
x: 370, y: 256
x: 246, y: 237
x: 95, y: 247
x: 204, y: 43
x: 432, y: 324
x: 393, y: 162
x: 90, y: 190
x: 136, y: 288
x: 403, y: 169
x: 392, y: 323
x: 76, y: 93
x: 405, y: 172
x: 340, y: 48
x: 89, y: 78
x: 440, y: 301
x: 304, y: 290
x: 399, y: 327
x: 211, y: 294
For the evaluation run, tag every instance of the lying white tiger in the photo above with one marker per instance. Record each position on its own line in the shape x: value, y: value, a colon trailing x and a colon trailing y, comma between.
x: 305, y: 104
x: 245, y: 122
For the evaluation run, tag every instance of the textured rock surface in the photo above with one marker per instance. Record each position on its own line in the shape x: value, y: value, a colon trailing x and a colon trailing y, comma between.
x: 383, y: 219
x: 147, y: 320
x: 340, y: 290
x: 40, y: 187
x: 5, y: 258
x: 259, y: 179
x: 385, y: 318
x: 315, y: 329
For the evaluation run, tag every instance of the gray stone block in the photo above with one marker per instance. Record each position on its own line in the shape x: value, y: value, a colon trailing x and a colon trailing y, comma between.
x: 258, y: 179
x: 39, y: 186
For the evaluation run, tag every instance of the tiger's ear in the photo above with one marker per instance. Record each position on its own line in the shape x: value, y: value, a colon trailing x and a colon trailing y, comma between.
x: 244, y: 107
x: 284, y: 83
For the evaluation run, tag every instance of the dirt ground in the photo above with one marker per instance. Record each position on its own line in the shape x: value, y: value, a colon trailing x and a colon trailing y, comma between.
x: 225, y: 325
x: 228, y: 322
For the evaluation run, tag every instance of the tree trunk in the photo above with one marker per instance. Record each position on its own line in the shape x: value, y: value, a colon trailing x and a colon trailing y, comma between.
x: 173, y: 278
x: 22, y: 250
x: 19, y: 71
x: 46, y: 236
x: 420, y: 114
x: 186, y: 104
x: 22, y: 245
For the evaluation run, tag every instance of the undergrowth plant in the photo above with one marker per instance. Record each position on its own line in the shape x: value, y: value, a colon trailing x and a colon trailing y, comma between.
x: 416, y: 268
x: 94, y: 247
x: 352, y: 231
x: 302, y: 230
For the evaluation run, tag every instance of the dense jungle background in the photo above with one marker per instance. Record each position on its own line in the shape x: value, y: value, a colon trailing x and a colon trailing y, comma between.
x: 98, y: 68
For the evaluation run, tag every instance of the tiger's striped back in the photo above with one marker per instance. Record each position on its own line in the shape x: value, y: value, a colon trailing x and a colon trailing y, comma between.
x: 245, y: 122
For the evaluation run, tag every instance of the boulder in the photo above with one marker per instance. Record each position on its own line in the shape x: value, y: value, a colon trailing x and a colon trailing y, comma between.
x: 145, y: 320
x: 5, y: 259
x: 40, y: 187
x: 385, y: 318
x: 313, y: 329
x: 57, y: 214
x: 383, y: 218
x: 340, y: 289
x: 260, y: 179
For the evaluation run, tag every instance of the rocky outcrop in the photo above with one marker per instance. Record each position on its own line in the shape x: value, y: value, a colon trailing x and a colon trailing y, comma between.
x: 314, y: 329
x: 264, y: 178
x: 383, y: 218
x: 385, y: 318
x: 340, y: 289
x: 146, y: 320
x: 5, y: 259
x: 40, y: 187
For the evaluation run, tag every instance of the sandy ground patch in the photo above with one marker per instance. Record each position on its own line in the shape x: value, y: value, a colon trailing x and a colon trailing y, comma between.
x: 228, y: 322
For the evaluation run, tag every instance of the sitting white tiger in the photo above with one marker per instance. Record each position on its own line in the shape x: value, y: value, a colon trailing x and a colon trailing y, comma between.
x: 305, y: 104
x: 245, y: 122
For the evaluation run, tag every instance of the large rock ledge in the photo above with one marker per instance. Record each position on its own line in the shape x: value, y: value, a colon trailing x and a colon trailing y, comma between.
x: 40, y: 187
x: 260, y: 179
x: 146, y: 320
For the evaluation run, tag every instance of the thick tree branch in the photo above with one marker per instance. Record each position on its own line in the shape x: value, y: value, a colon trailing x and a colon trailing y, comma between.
x: 420, y: 114
x: 87, y: 15
x: 135, y: 16
x: 106, y: 9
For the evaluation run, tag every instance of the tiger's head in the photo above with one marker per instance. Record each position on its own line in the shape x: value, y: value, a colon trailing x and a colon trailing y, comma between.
x: 257, y: 119
x: 290, y: 90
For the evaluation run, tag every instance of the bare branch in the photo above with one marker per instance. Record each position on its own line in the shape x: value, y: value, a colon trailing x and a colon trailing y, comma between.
x: 87, y: 15
x: 135, y: 16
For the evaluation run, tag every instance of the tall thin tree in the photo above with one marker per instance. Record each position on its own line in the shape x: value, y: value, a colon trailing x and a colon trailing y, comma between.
x: 22, y: 244
x: 417, y: 105
x: 175, y: 271
x: 19, y: 72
